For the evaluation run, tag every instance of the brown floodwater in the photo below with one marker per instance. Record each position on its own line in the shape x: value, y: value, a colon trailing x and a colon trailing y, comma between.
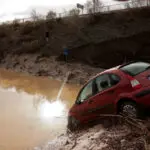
x: 30, y: 115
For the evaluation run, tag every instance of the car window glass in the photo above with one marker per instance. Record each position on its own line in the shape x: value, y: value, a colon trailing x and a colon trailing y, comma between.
x: 134, y: 69
x: 115, y: 79
x: 103, y: 78
x: 86, y: 92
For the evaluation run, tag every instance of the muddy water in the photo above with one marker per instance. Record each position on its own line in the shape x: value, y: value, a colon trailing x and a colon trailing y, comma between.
x: 29, y: 112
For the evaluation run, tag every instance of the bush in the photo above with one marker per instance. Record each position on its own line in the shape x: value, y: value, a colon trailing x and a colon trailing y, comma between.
x: 16, y: 24
x: 74, y: 12
x: 51, y: 15
x: 27, y: 28
x: 36, y: 16
x: 59, y: 20
x: 5, y: 30
x: 94, y: 19
x: 93, y: 7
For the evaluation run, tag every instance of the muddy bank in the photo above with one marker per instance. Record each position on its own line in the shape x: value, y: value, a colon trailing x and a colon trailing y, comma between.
x: 118, y: 136
x: 38, y: 65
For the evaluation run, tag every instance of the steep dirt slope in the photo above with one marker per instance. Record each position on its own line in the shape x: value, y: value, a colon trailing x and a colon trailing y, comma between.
x: 100, y: 40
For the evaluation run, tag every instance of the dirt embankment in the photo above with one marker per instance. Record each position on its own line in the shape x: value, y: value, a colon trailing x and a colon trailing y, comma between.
x: 101, y: 40
x: 36, y: 65
x: 113, y: 136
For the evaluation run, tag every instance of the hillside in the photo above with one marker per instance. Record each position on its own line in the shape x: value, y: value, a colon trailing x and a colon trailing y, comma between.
x: 100, y: 41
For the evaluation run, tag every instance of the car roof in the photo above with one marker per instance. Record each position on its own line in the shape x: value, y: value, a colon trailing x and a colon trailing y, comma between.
x: 114, y: 69
x: 111, y: 70
x: 130, y: 62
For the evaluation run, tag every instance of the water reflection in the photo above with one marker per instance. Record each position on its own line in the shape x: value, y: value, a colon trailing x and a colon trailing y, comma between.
x: 39, y: 86
x: 29, y: 113
x: 52, y: 109
x: 24, y: 125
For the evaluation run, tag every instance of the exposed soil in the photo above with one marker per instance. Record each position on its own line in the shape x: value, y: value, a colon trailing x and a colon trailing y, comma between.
x: 118, y: 136
x: 42, y: 66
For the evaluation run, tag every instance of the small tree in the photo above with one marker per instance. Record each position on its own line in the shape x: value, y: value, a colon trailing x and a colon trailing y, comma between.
x: 97, y: 5
x: 51, y: 15
x: 127, y: 5
x: 35, y: 16
x: 16, y: 23
x: 74, y: 12
x: 137, y: 3
x: 93, y: 6
x: 148, y: 2
x: 89, y: 6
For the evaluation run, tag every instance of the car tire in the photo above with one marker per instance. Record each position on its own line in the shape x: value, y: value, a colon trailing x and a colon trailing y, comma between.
x: 73, y: 123
x: 129, y: 109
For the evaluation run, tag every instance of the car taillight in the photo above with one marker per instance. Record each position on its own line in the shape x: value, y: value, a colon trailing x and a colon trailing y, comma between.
x: 134, y: 83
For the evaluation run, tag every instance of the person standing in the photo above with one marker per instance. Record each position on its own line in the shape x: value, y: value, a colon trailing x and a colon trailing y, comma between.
x: 47, y: 36
x: 66, y: 53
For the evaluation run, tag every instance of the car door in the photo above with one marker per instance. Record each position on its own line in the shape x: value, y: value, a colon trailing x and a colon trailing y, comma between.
x: 103, y: 101
x: 82, y: 102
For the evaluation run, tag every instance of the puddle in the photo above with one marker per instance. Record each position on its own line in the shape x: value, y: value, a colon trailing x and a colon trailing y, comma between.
x: 29, y: 113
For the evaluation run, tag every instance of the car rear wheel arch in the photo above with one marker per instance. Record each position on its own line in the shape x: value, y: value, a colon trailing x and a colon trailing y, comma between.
x: 140, y: 111
x: 122, y: 101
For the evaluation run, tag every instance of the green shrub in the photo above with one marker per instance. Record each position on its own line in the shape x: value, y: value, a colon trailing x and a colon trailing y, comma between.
x: 51, y: 15
x: 15, y: 24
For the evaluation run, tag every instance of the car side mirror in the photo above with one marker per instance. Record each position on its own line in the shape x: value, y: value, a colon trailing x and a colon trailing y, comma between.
x: 104, y: 84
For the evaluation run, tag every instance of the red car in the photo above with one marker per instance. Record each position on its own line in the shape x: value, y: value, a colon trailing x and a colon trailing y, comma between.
x: 124, y: 89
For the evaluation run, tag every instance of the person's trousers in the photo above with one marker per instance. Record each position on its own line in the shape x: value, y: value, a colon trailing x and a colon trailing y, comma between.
x: 65, y: 58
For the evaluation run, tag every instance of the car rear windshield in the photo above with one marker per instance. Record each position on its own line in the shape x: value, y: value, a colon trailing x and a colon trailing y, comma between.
x: 134, y: 69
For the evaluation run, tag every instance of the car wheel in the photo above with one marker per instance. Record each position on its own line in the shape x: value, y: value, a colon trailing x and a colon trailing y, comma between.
x: 129, y: 109
x: 73, y: 124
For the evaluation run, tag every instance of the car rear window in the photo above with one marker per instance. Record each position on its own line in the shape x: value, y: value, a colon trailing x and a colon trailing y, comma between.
x: 134, y: 69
